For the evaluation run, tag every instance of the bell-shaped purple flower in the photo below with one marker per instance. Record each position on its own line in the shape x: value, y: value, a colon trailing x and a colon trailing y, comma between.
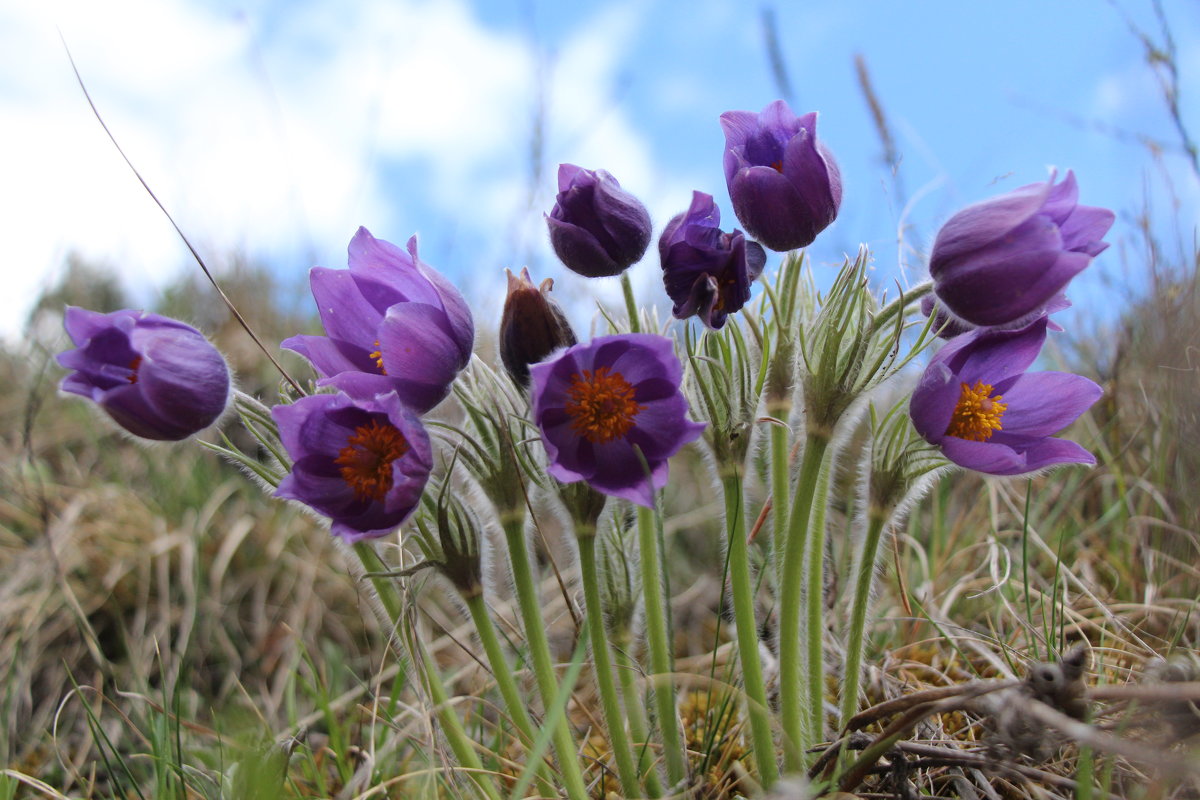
x: 392, y: 324
x: 785, y: 186
x: 600, y: 404
x: 1002, y: 261
x: 531, y: 327
x: 977, y: 403
x: 596, y: 228
x: 362, y: 463
x: 156, y: 377
x: 706, y: 271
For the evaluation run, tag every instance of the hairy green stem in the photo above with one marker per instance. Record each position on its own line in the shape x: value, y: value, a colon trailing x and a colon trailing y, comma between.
x: 780, y: 493
x: 660, y: 648
x: 747, y: 630
x: 385, y: 590
x: 815, y: 597
x: 453, y: 730
x: 791, y: 686
x: 627, y: 670
x: 602, y: 663
x: 630, y: 303
x: 856, y: 640
x: 539, y: 650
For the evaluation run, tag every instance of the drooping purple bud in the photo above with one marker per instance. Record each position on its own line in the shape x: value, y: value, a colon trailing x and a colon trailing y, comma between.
x: 157, y: 378
x: 596, y: 228
x: 785, y: 186
x: 532, y: 326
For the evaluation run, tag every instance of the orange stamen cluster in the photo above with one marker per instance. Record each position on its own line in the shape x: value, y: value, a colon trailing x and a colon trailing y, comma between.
x: 133, y: 369
x: 777, y: 165
x: 977, y: 415
x: 366, y: 460
x: 377, y: 355
x: 601, y: 405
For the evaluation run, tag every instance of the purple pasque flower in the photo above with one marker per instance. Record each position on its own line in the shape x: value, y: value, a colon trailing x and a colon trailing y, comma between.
x: 392, y: 324
x: 362, y: 463
x: 157, y: 378
x: 785, y: 186
x: 977, y: 403
x: 600, y: 404
x: 596, y: 228
x: 1002, y: 261
x: 706, y: 271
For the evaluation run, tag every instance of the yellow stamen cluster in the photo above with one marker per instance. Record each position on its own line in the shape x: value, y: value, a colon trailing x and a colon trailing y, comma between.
x: 601, y: 405
x: 377, y: 354
x: 977, y: 415
x: 366, y: 460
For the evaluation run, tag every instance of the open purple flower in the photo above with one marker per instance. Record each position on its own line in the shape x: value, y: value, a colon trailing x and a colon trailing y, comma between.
x: 362, y: 463
x: 596, y: 228
x: 156, y: 377
x: 393, y: 324
x: 706, y: 271
x: 1002, y: 261
x: 785, y: 186
x: 599, y: 404
x: 977, y: 403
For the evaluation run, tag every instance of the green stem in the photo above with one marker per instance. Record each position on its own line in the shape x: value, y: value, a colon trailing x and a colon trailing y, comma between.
x: 632, y: 694
x: 505, y: 682
x: 780, y: 492
x: 747, y: 631
x: 539, y: 650
x: 630, y: 303
x: 660, y: 649
x: 385, y: 590
x: 453, y: 730
x: 856, y: 641
x: 602, y: 663
x: 791, y: 688
x: 815, y: 596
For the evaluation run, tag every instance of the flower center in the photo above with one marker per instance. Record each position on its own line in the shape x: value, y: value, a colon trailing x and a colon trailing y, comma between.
x: 366, y: 460
x: 601, y: 406
x: 777, y: 165
x: 977, y: 414
x: 133, y: 369
x: 377, y: 355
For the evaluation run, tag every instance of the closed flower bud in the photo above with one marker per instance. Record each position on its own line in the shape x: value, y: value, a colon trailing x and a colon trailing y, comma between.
x: 156, y: 377
x: 596, y: 228
x: 784, y: 184
x: 532, y: 326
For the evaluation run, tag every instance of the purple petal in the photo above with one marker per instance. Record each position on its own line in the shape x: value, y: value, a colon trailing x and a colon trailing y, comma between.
x: 345, y: 313
x: 984, y: 223
x: 1084, y: 229
x: 1043, y: 403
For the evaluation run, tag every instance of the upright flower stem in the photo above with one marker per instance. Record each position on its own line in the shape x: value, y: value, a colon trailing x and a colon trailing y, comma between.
x: 791, y: 687
x: 660, y: 649
x: 747, y: 630
x: 856, y: 641
x: 631, y: 307
x: 602, y: 663
x: 632, y: 694
x: 505, y: 682
x: 780, y: 491
x: 815, y: 596
x: 453, y: 730
x: 385, y: 590
x: 539, y: 649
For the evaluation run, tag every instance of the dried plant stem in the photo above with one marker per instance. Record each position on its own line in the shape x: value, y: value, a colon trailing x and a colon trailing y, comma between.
x: 856, y: 639
x: 660, y: 647
x: 539, y: 650
x: 602, y: 663
x: 747, y: 630
x: 792, y: 695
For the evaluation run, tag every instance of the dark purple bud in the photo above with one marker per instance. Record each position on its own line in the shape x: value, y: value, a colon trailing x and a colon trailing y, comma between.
x: 706, y: 271
x: 596, y: 228
x: 785, y: 186
x: 156, y: 377
x: 1004, y: 261
x: 532, y: 326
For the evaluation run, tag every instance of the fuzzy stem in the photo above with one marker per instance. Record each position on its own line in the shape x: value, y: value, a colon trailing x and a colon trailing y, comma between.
x: 780, y: 492
x: 452, y: 729
x: 632, y: 694
x: 539, y: 650
x: 791, y: 687
x: 856, y: 640
x: 660, y: 648
x: 505, y: 681
x: 747, y: 630
x: 630, y: 303
x: 385, y: 590
x: 602, y: 663
x: 815, y: 596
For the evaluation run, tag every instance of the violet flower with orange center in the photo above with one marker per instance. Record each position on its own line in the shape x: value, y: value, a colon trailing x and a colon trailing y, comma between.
x: 605, y: 406
x: 977, y: 403
x: 362, y: 463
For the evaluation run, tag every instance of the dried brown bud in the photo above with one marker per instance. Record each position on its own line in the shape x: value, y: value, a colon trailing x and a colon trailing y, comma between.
x: 532, y: 326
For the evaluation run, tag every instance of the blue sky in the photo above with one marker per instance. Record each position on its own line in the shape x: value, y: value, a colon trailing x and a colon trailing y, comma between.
x: 276, y: 128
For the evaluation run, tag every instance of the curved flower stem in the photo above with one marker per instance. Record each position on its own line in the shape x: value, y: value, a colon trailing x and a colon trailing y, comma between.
x: 539, y: 649
x: 632, y: 693
x: 856, y: 641
x: 602, y: 663
x: 660, y: 648
x: 747, y: 630
x: 815, y: 596
x: 630, y: 303
x: 791, y: 687
x: 505, y: 681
